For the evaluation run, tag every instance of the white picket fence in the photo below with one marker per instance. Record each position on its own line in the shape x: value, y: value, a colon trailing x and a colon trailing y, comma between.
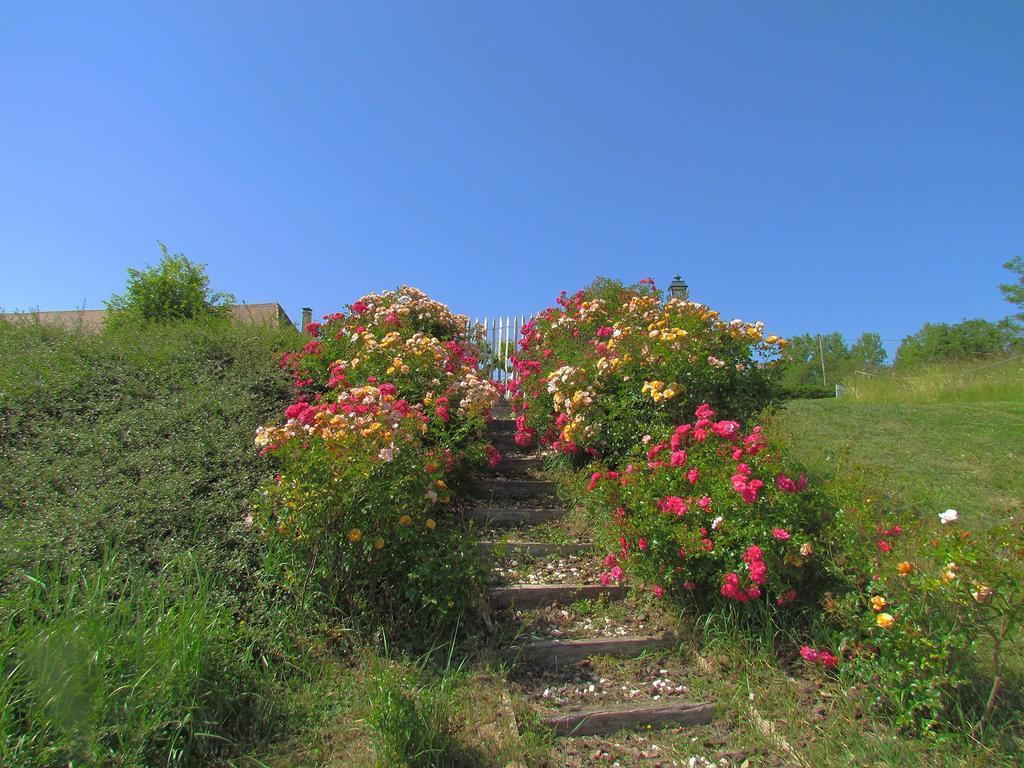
x: 500, y: 340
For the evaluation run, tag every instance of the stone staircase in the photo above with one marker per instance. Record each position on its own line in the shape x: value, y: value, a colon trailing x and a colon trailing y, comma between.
x: 516, y: 510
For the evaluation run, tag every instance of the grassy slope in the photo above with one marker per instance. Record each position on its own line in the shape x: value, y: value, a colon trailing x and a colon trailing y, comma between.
x: 141, y: 438
x: 930, y: 456
x: 126, y: 467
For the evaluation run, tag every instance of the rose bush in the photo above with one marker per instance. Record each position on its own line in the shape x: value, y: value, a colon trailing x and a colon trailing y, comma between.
x: 649, y: 401
x: 388, y: 415
x: 611, y: 360
x: 926, y: 622
x: 712, y: 511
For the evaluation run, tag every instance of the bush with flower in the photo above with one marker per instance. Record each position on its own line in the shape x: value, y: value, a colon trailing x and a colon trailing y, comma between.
x: 611, y: 358
x: 927, y: 622
x: 388, y: 414
x: 710, y: 510
x: 691, y: 499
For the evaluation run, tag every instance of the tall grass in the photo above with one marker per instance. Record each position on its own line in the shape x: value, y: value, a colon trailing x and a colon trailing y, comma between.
x: 103, y: 668
x: 995, y: 381
x: 126, y: 469
x: 412, y: 711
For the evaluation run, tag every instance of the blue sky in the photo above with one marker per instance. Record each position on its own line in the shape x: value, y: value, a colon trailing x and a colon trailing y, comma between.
x: 817, y: 166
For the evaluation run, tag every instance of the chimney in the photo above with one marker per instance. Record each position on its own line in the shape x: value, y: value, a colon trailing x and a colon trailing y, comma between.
x: 307, y: 316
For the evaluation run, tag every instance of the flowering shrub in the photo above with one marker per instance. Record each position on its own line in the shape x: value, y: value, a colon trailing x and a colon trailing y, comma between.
x: 926, y: 611
x: 689, y: 502
x: 710, y: 510
x: 611, y: 360
x: 389, y: 408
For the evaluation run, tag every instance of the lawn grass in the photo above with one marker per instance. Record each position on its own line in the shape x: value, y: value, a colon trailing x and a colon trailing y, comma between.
x: 925, y: 457
x: 992, y: 381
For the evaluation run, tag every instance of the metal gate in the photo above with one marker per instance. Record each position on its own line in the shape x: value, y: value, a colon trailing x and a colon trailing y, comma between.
x: 500, y: 340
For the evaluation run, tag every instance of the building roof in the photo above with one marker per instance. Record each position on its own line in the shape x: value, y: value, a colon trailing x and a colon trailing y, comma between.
x: 92, y: 319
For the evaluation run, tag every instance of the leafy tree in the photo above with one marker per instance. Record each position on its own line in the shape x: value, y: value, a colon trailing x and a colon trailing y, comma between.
x: 803, y: 356
x: 175, y: 289
x: 967, y: 340
x: 1014, y: 293
x: 867, y: 353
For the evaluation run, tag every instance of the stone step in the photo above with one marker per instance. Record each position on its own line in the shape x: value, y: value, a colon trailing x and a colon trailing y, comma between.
x: 507, y: 517
x: 512, y: 489
x: 511, y: 464
x: 507, y: 441
x: 600, y: 720
x: 536, y: 595
x: 501, y: 426
x: 531, y: 548
x: 555, y: 653
x: 502, y: 412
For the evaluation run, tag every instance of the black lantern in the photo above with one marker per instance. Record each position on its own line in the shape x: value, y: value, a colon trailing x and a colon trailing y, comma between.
x: 678, y: 289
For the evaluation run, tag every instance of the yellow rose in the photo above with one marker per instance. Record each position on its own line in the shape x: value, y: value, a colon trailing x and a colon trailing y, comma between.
x: 884, y: 620
x: 905, y: 568
x: 431, y: 524
x: 405, y: 520
x: 355, y: 535
x: 378, y: 543
x: 878, y: 603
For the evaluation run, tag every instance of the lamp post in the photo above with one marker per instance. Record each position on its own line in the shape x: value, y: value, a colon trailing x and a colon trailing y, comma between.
x: 678, y: 289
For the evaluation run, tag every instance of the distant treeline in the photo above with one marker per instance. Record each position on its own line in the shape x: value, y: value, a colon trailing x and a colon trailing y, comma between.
x: 966, y: 341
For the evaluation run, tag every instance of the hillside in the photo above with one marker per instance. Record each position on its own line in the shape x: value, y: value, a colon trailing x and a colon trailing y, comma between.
x: 930, y: 456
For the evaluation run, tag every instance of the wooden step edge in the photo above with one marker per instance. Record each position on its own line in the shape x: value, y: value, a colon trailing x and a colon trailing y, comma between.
x: 508, y: 440
x: 533, y: 548
x: 513, y: 484
x: 561, y: 652
x: 536, y: 595
x: 599, y: 720
x: 521, y: 459
x: 512, y: 488
x: 518, y: 460
x: 510, y: 516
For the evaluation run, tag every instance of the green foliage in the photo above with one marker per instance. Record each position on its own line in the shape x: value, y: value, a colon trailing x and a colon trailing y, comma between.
x: 115, y: 666
x: 809, y: 392
x: 916, y: 626
x: 175, y: 289
x: 411, y: 717
x: 802, y: 359
x: 386, y: 418
x: 363, y: 533
x: 964, y: 341
x: 920, y: 458
x: 614, y: 362
x: 951, y: 382
x: 139, y: 436
x: 901, y: 465
x: 1014, y: 292
x: 681, y: 522
x: 136, y: 440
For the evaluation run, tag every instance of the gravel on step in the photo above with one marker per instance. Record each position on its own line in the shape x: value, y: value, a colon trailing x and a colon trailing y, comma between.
x: 559, y: 623
x: 651, y: 679
x: 575, y: 569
